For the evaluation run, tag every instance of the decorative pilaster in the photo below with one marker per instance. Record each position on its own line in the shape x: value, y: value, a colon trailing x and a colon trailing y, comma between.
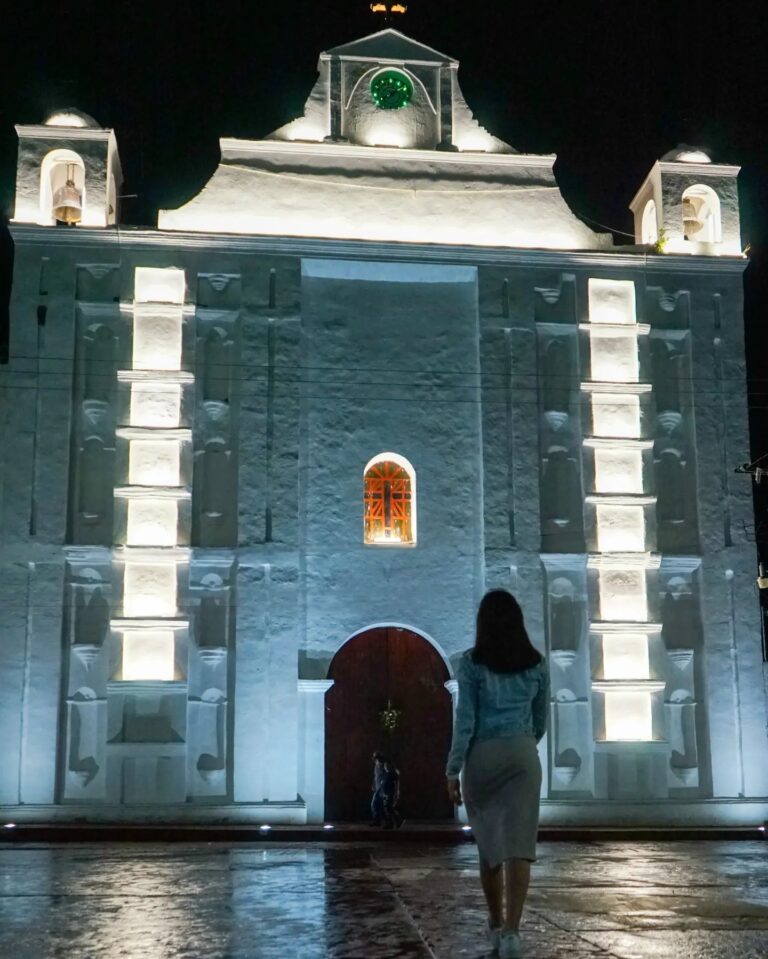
x: 627, y: 683
x: 312, y: 745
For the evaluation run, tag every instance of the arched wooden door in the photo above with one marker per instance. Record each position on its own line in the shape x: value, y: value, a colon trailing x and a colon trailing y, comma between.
x: 375, y: 668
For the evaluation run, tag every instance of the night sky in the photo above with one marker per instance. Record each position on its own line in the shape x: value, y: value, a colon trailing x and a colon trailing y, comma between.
x: 608, y: 86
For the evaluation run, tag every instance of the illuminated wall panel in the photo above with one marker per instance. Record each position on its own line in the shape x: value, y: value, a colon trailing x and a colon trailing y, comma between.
x: 148, y: 655
x: 628, y: 716
x: 625, y: 656
x: 612, y: 301
x: 616, y: 415
x: 152, y: 522
x: 618, y: 471
x: 620, y: 529
x: 155, y: 404
x: 152, y: 285
x: 622, y: 595
x: 156, y: 340
x: 153, y: 463
x: 149, y: 589
x: 614, y: 356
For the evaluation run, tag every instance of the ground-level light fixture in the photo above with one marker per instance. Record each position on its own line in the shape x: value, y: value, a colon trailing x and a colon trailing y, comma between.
x: 264, y: 828
x: 328, y: 826
x: 466, y: 829
x: 9, y: 825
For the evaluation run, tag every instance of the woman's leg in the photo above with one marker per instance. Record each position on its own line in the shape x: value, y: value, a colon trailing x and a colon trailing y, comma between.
x: 516, y: 875
x: 490, y: 880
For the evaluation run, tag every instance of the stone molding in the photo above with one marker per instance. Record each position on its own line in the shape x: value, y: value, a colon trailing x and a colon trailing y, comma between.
x: 616, y: 259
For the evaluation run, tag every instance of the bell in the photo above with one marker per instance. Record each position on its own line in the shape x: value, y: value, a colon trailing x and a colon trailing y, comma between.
x: 691, y: 222
x: 67, y: 201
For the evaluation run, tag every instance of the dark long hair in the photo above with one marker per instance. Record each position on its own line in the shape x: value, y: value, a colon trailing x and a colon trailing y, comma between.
x: 502, y: 642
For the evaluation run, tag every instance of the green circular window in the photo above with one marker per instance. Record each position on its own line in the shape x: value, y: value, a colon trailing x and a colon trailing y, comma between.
x: 391, y: 90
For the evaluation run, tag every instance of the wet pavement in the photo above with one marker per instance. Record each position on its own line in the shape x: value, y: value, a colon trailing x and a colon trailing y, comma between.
x: 616, y: 900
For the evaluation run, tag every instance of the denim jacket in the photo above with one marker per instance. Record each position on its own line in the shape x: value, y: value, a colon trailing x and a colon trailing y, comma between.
x: 497, y: 705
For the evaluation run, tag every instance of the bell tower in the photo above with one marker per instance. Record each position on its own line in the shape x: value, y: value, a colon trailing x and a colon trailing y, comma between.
x: 68, y: 172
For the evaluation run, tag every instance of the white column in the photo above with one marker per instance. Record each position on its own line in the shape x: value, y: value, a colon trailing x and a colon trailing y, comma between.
x: 312, y: 745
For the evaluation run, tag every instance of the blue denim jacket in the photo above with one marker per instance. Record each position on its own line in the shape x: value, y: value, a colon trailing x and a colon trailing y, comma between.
x: 496, y: 705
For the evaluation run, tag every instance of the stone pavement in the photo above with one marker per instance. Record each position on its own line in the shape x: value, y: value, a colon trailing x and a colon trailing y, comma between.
x: 617, y: 900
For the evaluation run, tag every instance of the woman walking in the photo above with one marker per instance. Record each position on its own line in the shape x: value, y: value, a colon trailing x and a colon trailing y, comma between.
x: 501, y: 716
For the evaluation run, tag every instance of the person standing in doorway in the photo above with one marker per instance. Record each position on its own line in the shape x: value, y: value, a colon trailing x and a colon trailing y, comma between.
x: 391, y: 791
x: 500, y: 718
x: 386, y: 793
x: 377, y: 799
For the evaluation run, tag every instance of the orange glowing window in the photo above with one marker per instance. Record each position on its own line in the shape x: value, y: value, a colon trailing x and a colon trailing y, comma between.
x: 390, y: 502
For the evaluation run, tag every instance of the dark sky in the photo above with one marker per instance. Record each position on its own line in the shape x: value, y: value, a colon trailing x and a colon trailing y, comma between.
x: 609, y: 86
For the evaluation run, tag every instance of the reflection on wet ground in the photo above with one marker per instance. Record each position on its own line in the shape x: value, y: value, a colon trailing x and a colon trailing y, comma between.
x: 379, y: 900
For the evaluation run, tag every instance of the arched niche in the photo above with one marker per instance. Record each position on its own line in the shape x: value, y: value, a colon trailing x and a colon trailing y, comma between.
x: 100, y: 362
x: 216, y: 366
x: 565, y: 631
x: 215, y: 479
x: 649, y: 224
x: 680, y: 615
x: 212, y: 620
x: 414, y: 126
x: 701, y: 215
x: 91, y: 617
x: 389, y: 501
x: 56, y: 168
x: 665, y: 365
x: 94, y: 488
x: 557, y: 374
x: 670, y: 486
x: 561, y: 487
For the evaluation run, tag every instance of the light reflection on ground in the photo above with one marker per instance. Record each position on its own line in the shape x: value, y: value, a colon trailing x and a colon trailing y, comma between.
x: 350, y: 901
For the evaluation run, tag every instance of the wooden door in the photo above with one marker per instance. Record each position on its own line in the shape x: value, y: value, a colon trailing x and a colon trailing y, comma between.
x: 381, y: 666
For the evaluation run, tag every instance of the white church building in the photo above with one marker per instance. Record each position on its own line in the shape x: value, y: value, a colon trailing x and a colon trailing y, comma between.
x: 262, y: 462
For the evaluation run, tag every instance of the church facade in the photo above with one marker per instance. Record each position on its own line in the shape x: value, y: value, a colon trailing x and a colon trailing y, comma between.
x: 263, y: 461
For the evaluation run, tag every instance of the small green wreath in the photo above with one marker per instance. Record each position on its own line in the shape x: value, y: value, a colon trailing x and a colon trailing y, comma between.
x: 390, y: 717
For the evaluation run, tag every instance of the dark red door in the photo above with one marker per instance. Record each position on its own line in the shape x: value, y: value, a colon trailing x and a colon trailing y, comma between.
x: 376, y: 668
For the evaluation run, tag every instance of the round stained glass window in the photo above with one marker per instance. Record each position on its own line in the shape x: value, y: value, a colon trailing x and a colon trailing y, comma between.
x: 391, y: 90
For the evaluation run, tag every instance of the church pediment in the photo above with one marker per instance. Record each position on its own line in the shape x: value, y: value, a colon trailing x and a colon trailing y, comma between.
x: 390, y: 45
x: 387, y: 149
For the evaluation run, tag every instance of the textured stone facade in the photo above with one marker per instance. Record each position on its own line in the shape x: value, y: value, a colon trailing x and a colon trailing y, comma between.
x: 189, y: 412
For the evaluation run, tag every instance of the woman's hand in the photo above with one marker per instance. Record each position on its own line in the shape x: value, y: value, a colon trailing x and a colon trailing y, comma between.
x: 454, y: 790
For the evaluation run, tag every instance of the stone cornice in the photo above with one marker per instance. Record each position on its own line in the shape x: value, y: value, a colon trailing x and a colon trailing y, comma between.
x: 89, y: 238
x: 39, y: 131
x: 230, y: 146
x: 698, y: 169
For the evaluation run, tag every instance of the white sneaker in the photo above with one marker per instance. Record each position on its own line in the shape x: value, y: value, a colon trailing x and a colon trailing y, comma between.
x: 509, y: 945
x: 494, y: 936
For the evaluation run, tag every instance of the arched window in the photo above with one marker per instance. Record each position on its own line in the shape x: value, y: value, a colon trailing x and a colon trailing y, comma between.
x: 390, y: 501
x: 701, y: 215
x: 62, y: 179
x: 649, y: 227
